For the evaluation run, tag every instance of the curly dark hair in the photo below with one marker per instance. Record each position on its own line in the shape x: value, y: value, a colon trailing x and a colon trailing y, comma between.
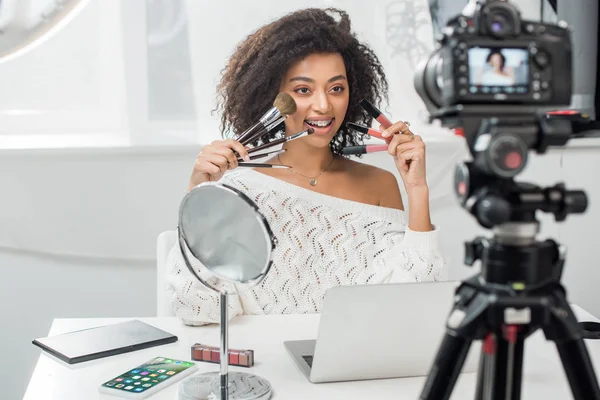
x: 251, y: 79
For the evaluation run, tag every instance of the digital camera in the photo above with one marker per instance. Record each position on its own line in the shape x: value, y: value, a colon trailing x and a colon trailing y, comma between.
x: 494, y: 57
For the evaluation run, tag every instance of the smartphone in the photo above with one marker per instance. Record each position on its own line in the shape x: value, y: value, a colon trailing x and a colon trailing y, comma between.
x: 148, y: 378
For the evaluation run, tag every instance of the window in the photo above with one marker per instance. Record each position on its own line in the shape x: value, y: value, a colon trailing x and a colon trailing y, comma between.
x: 70, y: 85
x: 145, y: 71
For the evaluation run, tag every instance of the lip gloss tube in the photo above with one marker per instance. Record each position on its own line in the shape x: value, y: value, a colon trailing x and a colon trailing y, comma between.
x: 212, y: 354
x: 364, y: 149
x: 375, y: 113
x: 368, y: 131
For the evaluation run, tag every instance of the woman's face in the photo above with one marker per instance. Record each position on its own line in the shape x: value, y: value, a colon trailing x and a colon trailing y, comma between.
x: 496, y: 60
x: 319, y: 85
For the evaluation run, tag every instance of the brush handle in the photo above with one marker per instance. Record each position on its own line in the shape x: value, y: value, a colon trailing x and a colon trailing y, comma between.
x: 259, y: 132
x: 265, y: 130
x: 245, y: 143
x: 272, y: 143
x: 248, y: 133
x: 261, y: 155
x: 261, y: 165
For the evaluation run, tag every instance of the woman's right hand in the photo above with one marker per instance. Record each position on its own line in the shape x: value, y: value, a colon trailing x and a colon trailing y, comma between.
x: 215, y: 159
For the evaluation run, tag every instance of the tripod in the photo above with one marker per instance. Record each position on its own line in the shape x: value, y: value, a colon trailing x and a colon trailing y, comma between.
x: 518, y: 289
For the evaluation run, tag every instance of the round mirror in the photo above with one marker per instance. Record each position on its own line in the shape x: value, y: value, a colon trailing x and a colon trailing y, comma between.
x: 224, y: 230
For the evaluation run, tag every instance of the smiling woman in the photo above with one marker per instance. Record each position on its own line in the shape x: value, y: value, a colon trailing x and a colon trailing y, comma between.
x: 336, y: 221
x: 320, y: 87
x: 261, y: 66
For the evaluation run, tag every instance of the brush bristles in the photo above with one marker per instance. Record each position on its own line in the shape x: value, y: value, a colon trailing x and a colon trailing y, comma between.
x: 285, y: 104
x: 310, y: 131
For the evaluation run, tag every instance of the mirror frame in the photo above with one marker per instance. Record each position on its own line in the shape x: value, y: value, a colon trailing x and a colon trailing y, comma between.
x: 264, y: 224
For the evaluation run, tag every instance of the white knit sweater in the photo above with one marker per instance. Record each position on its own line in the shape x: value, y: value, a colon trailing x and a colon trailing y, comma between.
x: 322, y: 241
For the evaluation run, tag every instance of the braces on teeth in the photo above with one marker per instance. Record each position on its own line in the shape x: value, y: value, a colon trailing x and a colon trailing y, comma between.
x: 319, y: 123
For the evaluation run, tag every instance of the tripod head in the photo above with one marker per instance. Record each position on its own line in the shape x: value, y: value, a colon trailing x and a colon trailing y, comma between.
x: 485, y: 187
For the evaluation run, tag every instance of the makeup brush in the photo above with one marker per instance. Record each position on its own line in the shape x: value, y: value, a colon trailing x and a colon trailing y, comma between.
x: 261, y: 165
x: 276, y: 142
x: 261, y: 155
x: 275, y: 123
x: 283, y: 106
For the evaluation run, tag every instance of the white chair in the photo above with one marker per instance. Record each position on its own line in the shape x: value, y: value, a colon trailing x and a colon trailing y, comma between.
x: 165, y: 242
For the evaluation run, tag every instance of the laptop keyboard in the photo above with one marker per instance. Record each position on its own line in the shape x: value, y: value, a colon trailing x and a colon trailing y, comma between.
x: 309, y: 360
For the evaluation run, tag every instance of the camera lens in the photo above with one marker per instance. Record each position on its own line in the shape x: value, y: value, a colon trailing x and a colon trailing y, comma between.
x: 428, y: 80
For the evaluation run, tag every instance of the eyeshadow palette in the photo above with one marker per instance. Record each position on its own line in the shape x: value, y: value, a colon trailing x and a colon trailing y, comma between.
x: 211, y: 354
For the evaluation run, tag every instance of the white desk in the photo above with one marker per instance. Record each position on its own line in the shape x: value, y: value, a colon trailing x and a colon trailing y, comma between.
x: 52, y: 379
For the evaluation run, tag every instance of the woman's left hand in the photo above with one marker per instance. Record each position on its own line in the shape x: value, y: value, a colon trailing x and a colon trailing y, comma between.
x: 409, y: 154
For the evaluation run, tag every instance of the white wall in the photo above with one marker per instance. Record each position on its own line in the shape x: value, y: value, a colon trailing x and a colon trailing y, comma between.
x: 79, y: 225
x: 106, y: 199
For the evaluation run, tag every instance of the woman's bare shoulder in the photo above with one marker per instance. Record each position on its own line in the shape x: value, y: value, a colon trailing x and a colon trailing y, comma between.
x: 380, y: 183
x: 363, y: 170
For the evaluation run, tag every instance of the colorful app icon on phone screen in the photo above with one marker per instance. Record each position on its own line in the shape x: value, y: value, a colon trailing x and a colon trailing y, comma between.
x: 145, y: 377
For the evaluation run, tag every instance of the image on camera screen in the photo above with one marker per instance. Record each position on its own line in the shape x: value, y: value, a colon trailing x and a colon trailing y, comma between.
x: 494, y: 70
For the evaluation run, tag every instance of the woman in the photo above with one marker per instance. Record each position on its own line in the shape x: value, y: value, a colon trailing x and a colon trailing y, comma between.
x: 347, y: 226
x: 496, y: 74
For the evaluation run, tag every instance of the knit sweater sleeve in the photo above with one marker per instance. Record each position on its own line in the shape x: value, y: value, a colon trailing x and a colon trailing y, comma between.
x: 191, y: 301
x: 417, y: 257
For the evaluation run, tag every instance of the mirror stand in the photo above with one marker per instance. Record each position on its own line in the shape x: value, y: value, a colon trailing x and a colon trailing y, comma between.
x: 224, y: 385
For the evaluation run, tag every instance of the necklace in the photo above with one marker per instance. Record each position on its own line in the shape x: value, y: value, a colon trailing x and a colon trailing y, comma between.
x: 312, y: 180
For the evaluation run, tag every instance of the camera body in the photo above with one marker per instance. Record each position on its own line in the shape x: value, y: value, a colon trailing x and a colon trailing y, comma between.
x: 541, y: 73
x: 495, y: 57
x: 491, y: 75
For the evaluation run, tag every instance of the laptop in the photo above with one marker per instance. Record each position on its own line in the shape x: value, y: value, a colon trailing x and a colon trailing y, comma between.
x: 379, y: 331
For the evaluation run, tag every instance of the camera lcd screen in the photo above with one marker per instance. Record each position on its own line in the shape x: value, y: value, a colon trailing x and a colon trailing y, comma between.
x: 498, y: 70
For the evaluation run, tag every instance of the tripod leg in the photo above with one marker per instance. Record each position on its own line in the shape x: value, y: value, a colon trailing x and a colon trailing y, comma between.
x: 464, y: 323
x: 501, y: 367
x: 564, y: 330
x: 579, y: 370
x: 446, y: 368
x: 514, y: 368
x: 486, y: 373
